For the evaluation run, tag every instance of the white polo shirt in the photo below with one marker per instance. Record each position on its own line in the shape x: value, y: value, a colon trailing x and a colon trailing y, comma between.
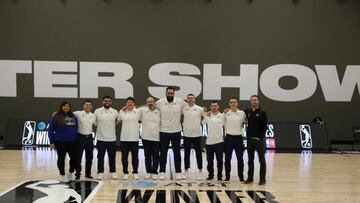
x: 150, y: 124
x: 234, y: 122
x: 105, y: 120
x: 170, y: 114
x: 192, y: 120
x: 85, y: 122
x: 214, y: 124
x: 129, y: 125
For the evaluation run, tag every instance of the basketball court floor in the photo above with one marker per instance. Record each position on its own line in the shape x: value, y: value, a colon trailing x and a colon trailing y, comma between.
x: 30, y: 175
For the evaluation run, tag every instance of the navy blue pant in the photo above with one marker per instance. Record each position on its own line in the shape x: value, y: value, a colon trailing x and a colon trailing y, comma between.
x: 151, y: 150
x: 133, y: 148
x: 85, y: 143
x: 218, y: 151
x: 234, y: 142
x: 110, y: 148
x: 165, y: 139
x: 196, y: 143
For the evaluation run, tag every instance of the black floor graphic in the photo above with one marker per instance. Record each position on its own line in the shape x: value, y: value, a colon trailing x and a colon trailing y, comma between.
x: 51, y: 191
x: 193, y: 196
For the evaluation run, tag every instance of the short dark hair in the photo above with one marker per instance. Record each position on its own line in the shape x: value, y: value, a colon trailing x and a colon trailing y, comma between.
x: 234, y: 98
x: 130, y: 99
x: 255, y: 95
x: 170, y: 88
x: 190, y: 95
x: 106, y: 97
x: 87, y: 101
x: 214, y: 102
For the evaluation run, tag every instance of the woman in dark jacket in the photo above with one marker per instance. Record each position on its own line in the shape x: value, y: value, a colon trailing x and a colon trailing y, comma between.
x: 62, y: 135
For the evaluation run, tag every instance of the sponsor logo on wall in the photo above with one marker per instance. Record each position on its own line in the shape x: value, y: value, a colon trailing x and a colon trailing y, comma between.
x: 28, y: 133
x: 270, y: 137
x: 305, y: 136
x: 35, y: 133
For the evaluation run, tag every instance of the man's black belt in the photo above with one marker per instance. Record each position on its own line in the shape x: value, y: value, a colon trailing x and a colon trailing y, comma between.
x: 89, y: 135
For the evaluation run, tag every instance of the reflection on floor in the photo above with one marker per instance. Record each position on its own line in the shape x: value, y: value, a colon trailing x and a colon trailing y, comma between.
x: 295, y: 177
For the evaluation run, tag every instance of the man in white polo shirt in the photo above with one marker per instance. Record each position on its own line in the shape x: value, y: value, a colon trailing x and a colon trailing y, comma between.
x: 215, y: 140
x: 170, y: 130
x: 105, y: 120
x: 192, y: 133
x: 86, y: 121
x: 150, y: 119
x: 234, y: 121
x: 129, y: 138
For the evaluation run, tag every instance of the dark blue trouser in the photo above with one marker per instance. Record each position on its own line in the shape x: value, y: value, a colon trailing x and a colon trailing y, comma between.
x: 133, y: 148
x: 196, y: 143
x: 110, y: 148
x: 85, y: 143
x: 234, y: 142
x: 165, y: 139
x: 218, y: 150
x: 151, y: 150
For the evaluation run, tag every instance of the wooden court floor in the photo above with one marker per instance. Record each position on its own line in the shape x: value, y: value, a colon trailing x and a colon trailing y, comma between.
x: 291, y: 177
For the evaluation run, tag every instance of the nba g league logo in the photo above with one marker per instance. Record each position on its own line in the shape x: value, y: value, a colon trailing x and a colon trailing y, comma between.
x: 35, y: 133
x: 51, y: 191
x: 305, y: 136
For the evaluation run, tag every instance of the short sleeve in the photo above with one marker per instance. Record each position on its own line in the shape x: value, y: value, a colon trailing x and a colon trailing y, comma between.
x: 95, y: 118
x: 119, y: 115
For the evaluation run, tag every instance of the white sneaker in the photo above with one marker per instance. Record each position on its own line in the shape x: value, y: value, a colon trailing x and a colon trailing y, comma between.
x: 179, y: 176
x: 147, y: 176
x: 154, y: 176
x: 64, y: 179
x: 136, y: 176
x: 100, y: 176
x: 125, y: 177
x: 185, y: 175
x: 70, y: 176
x: 113, y: 176
x: 162, y: 176
x: 199, y: 176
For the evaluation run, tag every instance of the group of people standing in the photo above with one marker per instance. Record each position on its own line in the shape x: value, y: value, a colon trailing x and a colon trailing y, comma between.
x: 163, y: 122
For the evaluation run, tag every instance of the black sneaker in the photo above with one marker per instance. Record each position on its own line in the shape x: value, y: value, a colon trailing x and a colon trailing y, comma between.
x: 262, y: 182
x: 219, y: 179
x: 77, y: 177
x: 248, y: 181
x: 89, y: 177
x: 242, y: 180
x: 227, y: 179
x: 210, y: 178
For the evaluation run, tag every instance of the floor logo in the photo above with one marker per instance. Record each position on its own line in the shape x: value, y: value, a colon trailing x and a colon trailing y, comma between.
x: 54, y: 191
x: 305, y: 136
x: 193, y: 192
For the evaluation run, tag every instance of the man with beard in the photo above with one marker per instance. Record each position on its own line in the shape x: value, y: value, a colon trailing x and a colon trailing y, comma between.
x: 257, y: 126
x: 170, y: 130
x: 105, y: 120
x: 150, y: 119
x: 215, y: 140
